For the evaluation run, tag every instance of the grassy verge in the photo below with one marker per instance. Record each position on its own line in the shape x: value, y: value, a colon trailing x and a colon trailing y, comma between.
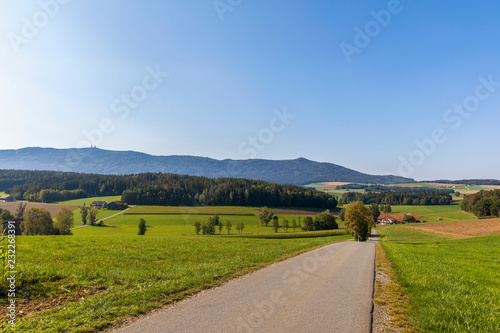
x: 453, y: 285
x: 86, y: 284
x: 391, y: 312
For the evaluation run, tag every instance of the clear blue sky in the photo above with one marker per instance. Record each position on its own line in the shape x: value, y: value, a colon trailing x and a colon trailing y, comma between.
x: 358, y: 100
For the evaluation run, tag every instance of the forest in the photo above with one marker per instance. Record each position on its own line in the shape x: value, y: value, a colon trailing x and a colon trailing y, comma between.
x: 483, y: 203
x: 159, y: 189
x: 423, y: 198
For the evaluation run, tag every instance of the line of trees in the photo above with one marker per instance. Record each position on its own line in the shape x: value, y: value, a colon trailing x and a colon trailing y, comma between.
x: 424, y: 198
x: 161, y: 189
x: 384, y: 188
x: 483, y: 203
x: 37, y: 221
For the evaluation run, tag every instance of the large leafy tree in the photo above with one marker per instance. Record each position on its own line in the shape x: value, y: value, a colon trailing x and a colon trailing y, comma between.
x: 375, y: 211
x: 358, y: 221
x: 64, y: 221
x: 265, y: 216
x: 37, y: 221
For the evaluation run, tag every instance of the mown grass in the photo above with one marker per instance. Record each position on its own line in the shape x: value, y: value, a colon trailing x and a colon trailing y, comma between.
x: 180, y: 225
x: 132, y: 274
x: 448, y: 213
x: 453, y: 285
x: 203, y: 210
x: 88, y: 201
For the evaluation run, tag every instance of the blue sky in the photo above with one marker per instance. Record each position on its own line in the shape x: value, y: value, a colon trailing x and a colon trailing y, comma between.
x: 376, y: 86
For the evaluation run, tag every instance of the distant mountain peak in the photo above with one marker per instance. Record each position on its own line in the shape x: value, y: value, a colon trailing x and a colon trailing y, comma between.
x: 299, y: 171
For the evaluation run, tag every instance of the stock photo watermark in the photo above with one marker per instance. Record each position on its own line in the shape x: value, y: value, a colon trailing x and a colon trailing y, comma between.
x: 32, y: 26
x: 370, y: 30
x: 454, y: 117
x: 222, y: 7
x: 250, y: 147
x: 293, y: 279
x: 10, y: 273
x: 122, y: 108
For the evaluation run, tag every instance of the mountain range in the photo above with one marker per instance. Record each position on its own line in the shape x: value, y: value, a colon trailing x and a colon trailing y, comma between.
x: 299, y: 171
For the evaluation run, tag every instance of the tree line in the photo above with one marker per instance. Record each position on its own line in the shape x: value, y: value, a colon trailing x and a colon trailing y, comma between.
x: 384, y: 188
x: 161, y: 189
x: 424, y: 198
x: 483, y: 203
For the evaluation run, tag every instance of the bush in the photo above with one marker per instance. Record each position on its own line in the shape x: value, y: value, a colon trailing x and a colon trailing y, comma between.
x: 142, y: 227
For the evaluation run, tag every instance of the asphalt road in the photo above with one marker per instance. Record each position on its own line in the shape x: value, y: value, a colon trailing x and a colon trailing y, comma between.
x: 326, y: 290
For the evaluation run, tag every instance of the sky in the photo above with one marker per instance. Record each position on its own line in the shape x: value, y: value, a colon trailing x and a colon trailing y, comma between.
x: 409, y: 88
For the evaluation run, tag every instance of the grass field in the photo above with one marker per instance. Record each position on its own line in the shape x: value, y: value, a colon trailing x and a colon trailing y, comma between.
x: 86, y: 284
x: 204, y: 210
x: 88, y: 201
x: 453, y: 285
x: 177, y: 224
x: 448, y: 213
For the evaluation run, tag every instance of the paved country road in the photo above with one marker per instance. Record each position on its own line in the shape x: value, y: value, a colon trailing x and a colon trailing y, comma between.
x: 329, y: 289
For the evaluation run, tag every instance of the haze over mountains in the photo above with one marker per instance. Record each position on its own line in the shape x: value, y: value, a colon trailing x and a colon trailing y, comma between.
x: 93, y: 160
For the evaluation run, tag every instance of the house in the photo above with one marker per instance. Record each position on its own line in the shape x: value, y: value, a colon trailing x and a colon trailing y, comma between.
x: 6, y: 198
x: 99, y: 204
x: 17, y: 226
x: 385, y: 219
x: 116, y: 205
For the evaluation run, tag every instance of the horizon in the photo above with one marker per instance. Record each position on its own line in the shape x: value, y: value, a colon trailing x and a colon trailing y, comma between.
x: 387, y: 87
x: 256, y: 159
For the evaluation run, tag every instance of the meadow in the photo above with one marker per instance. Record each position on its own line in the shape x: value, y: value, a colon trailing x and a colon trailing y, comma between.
x: 453, y: 285
x: 203, y: 210
x: 447, y: 213
x: 89, y: 283
x: 177, y: 224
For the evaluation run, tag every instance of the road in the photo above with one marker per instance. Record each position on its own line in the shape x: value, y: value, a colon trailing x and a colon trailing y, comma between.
x: 329, y: 289
x: 105, y: 218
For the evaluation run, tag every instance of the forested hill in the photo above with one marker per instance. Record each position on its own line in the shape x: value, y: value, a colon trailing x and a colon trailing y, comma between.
x: 92, y: 160
x: 159, y: 189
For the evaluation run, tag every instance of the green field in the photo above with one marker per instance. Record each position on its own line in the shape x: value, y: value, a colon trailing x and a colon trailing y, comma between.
x: 448, y: 213
x: 204, y: 210
x: 88, y: 201
x: 177, y: 224
x: 105, y: 280
x: 453, y: 285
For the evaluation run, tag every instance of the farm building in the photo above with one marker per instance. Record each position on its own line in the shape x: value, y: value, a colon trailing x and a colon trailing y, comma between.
x: 6, y: 198
x: 17, y: 223
x: 99, y: 204
x: 385, y: 219
x: 116, y: 205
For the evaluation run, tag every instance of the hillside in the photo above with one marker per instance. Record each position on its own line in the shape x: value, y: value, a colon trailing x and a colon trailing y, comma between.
x: 92, y: 160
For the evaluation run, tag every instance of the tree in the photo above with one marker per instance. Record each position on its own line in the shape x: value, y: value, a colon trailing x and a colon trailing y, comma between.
x: 208, y: 227
x: 197, y: 227
x: 20, y: 209
x: 142, y: 227
x: 229, y: 225
x: 325, y: 221
x: 240, y: 226
x: 5, y: 215
x: 64, y: 221
x: 308, y: 224
x: 387, y: 209
x: 265, y: 216
x: 92, y: 215
x: 458, y: 194
x: 37, y: 221
x: 342, y: 214
x: 482, y: 207
x: 276, y: 224
x: 358, y: 221
x: 294, y: 224
x: 409, y: 219
x: 220, y: 227
x: 375, y: 211
x: 286, y: 225
x: 84, y: 210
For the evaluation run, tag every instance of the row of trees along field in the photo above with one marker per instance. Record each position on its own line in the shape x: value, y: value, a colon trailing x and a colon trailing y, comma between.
x: 483, y: 203
x: 384, y: 188
x: 424, y: 198
x: 159, y: 189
